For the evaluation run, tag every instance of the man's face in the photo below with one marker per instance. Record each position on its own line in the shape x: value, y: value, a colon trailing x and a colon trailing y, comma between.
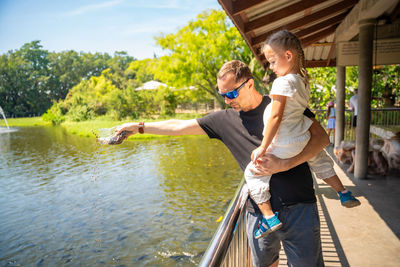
x: 227, y: 84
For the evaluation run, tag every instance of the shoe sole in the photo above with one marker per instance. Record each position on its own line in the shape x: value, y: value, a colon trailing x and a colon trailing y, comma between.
x: 270, y: 230
x: 351, y: 203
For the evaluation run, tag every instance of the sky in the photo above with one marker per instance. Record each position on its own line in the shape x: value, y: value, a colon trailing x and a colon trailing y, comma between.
x: 93, y: 26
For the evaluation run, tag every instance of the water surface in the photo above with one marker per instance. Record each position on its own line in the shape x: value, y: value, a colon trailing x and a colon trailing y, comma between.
x: 66, y: 201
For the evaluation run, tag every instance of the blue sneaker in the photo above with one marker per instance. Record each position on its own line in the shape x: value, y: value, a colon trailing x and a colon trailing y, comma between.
x: 267, y: 226
x: 348, y: 200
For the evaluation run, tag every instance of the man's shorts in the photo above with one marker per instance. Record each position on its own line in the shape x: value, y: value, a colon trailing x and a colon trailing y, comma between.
x: 300, y: 236
x: 355, y: 121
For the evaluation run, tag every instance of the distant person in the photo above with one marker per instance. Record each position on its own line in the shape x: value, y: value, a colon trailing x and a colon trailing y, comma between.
x: 286, y: 129
x: 331, y: 116
x: 353, y: 106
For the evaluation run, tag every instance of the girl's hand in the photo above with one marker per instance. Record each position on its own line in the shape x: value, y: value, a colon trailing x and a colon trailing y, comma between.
x: 257, y: 153
x: 270, y: 164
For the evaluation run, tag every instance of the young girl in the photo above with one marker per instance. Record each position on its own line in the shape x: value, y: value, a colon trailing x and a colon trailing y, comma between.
x: 286, y: 128
x: 331, y: 116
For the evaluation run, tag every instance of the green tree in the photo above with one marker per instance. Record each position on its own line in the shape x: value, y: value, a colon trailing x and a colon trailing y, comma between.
x: 198, y: 50
x: 141, y: 70
x: 24, y: 80
x: 385, y: 85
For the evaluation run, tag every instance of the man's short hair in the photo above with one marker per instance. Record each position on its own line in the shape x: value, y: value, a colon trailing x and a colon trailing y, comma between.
x: 238, y: 68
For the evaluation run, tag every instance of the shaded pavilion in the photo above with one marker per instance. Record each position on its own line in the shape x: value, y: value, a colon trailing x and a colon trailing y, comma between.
x: 333, y: 33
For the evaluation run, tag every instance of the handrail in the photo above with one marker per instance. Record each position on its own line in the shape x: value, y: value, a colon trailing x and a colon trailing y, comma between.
x: 219, y: 245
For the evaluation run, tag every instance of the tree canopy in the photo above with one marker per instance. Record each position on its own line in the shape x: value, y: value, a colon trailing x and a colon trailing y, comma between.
x: 80, y: 86
x: 31, y: 78
x: 198, y: 50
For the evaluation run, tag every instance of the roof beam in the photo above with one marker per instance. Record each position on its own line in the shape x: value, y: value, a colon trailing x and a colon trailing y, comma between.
x: 238, y: 22
x: 343, y: 5
x: 320, y: 63
x: 318, y: 36
x: 365, y: 9
x: 239, y: 6
x: 309, y: 63
x: 395, y: 12
x: 281, y: 13
x: 331, y: 52
x: 326, y: 23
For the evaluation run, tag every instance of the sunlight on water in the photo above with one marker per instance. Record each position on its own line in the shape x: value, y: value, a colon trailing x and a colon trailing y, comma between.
x: 67, y: 200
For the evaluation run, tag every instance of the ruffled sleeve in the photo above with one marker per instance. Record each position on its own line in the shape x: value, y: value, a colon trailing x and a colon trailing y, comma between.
x: 283, y: 86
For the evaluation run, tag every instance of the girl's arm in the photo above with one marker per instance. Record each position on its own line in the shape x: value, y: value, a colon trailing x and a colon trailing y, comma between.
x: 278, y: 106
x: 270, y: 164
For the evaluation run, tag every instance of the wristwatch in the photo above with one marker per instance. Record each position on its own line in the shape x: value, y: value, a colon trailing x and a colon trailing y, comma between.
x: 141, y: 127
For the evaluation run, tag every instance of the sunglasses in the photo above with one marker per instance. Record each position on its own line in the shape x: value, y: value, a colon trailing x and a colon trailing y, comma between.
x: 235, y: 92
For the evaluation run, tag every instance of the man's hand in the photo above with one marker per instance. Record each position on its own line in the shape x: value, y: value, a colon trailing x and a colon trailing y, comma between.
x: 128, y: 128
x: 269, y: 164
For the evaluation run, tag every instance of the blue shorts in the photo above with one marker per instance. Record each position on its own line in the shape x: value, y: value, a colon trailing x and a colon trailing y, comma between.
x: 300, y: 236
x: 331, y: 123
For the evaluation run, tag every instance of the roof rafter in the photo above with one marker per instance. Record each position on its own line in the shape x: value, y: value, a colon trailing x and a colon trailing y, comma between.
x: 243, y: 5
x: 238, y: 21
x: 320, y: 63
x: 395, y: 12
x: 322, y: 25
x: 281, y: 13
x: 318, y: 36
x: 343, y: 5
x: 331, y: 52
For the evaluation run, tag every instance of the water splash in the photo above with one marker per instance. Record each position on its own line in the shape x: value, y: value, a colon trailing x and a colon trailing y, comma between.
x: 4, y: 117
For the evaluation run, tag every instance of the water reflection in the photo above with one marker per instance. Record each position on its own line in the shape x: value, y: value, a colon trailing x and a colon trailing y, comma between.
x: 66, y: 200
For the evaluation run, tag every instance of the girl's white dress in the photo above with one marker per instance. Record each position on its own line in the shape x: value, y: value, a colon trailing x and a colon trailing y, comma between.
x: 291, y: 137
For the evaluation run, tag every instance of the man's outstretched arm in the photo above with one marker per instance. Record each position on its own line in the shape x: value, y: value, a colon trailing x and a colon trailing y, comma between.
x: 270, y: 164
x: 169, y: 127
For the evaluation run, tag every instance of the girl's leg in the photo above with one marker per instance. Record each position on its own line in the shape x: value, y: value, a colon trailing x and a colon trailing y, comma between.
x: 266, y: 209
x: 335, y: 183
x: 258, y: 188
x: 259, y: 192
x: 322, y: 165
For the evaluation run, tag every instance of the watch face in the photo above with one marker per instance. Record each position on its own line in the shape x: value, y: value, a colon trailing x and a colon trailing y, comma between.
x: 141, y: 126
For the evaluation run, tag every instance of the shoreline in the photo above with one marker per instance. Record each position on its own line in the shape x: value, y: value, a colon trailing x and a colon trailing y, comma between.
x: 90, y: 127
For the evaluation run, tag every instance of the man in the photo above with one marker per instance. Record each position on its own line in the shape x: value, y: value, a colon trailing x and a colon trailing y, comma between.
x: 353, y: 106
x: 292, y: 194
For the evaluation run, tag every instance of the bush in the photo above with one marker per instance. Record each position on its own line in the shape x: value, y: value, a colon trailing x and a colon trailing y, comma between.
x: 54, y: 114
x: 80, y: 113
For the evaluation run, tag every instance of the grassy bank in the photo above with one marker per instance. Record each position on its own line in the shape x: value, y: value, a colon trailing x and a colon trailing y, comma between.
x: 24, y: 122
x: 89, y: 128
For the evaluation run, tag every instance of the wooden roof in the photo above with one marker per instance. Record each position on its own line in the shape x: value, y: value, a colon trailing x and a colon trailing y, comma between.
x: 313, y: 21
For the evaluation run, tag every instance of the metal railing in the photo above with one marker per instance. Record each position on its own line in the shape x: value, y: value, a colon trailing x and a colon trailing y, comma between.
x: 229, y: 246
x: 381, y: 117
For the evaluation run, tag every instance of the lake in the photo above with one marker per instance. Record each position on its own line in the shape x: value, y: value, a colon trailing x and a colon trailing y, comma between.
x: 67, y: 201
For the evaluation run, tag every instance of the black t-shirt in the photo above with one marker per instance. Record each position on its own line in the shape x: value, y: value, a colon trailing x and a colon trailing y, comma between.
x: 241, y: 132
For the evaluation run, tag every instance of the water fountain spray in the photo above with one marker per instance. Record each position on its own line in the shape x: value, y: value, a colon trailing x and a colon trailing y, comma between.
x: 4, y: 117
